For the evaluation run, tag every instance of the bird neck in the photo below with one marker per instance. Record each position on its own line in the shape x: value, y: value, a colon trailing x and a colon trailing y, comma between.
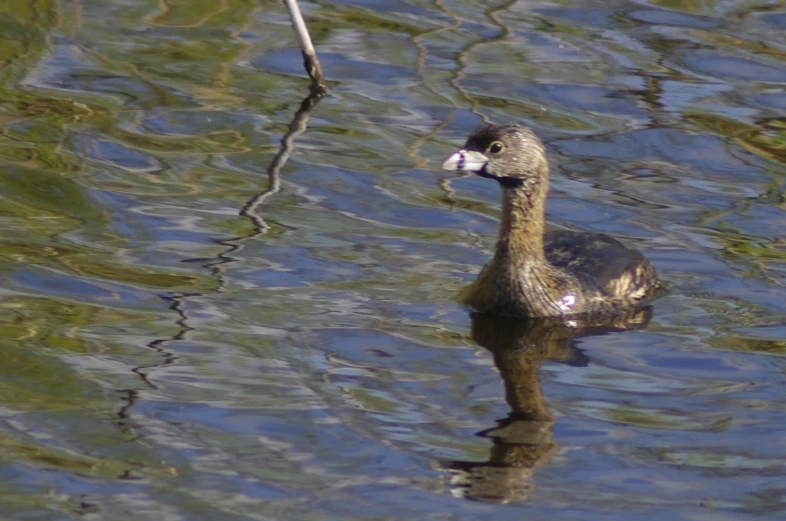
x: 523, y: 224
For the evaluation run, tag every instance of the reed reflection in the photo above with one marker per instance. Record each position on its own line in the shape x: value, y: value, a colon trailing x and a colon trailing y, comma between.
x: 524, y: 441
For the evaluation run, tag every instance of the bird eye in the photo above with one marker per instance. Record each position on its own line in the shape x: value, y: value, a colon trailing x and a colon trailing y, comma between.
x: 495, y: 148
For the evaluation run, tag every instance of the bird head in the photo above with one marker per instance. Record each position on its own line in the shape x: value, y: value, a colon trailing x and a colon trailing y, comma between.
x: 510, y: 154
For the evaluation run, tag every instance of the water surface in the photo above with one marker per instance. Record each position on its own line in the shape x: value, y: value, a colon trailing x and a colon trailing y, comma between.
x: 168, y: 357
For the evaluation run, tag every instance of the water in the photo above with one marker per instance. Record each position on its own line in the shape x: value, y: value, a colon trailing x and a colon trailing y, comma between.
x: 167, y: 358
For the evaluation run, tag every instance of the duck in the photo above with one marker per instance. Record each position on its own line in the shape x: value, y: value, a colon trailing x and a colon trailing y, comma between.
x: 561, y: 273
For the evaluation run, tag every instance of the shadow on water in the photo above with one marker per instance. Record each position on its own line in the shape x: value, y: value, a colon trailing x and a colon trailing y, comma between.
x: 251, y: 211
x: 524, y: 441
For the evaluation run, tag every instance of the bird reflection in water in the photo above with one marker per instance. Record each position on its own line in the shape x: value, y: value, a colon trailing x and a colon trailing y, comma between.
x: 524, y: 441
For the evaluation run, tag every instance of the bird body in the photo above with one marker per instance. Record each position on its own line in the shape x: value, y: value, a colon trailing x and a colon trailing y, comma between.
x: 534, y: 274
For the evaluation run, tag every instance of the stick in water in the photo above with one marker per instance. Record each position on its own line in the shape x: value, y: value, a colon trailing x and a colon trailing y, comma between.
x: 310, y: 60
